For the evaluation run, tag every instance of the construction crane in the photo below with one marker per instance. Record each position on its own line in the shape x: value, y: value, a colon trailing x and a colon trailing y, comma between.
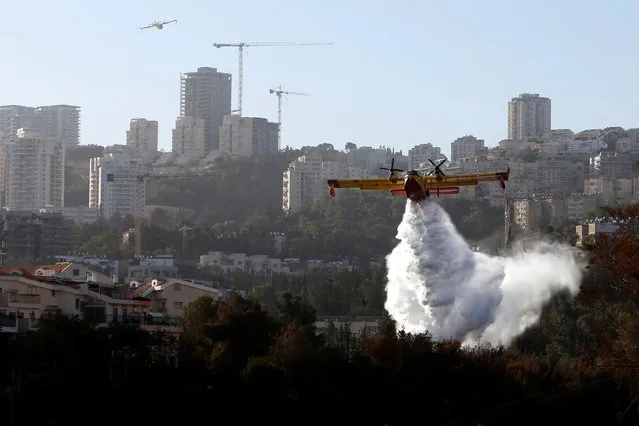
x: 140, y: 192
x: 279, y: 92
x: 241, y: 47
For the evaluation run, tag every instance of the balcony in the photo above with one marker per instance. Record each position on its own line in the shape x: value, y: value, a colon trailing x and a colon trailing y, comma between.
x: 20, y: 301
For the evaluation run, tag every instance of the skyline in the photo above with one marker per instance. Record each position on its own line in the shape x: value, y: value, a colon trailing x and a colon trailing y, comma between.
x: 483, y: 59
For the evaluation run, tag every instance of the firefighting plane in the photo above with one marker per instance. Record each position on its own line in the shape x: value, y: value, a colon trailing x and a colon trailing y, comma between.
x: 157, y: 24
x: 418, y: 187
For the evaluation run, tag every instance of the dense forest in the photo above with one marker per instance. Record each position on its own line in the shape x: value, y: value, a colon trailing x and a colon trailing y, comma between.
x: 577, y: 366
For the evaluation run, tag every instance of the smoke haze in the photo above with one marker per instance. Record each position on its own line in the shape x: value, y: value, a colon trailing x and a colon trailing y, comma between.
x: 436, y: 283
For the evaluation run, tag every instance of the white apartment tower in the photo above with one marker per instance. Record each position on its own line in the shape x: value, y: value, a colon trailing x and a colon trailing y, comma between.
x: 466, y: 147
x: 245, y: 136
x: 114, y: 184
x: 528, y: 116
x: 143, y: 136
x: 189, y: 138
x: 34, y: 171
x: 59, y: 122
x: 301, y: 183
x: 304, y: 181
x: 206, y: 95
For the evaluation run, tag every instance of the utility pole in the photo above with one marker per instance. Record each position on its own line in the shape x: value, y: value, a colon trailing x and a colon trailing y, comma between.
x: 279, y: 92
x: 242, y: 45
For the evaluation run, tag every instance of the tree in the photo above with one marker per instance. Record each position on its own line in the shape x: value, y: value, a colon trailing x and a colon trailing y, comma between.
x: 293, y: 309
x: 613, y: 295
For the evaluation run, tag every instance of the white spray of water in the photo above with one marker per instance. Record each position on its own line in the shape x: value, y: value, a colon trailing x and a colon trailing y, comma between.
x: 436, y: 283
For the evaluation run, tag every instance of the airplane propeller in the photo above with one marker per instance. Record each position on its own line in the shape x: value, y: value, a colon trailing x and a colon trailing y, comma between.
x: 437, y: 167
x: 391, y: 167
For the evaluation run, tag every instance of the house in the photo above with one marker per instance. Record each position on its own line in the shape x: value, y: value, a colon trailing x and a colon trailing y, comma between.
x: 69, y: 270
x: 171, y: 297
x: 28, y: 295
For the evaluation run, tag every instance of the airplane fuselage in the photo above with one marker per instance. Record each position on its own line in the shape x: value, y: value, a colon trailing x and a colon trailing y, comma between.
x: 414, y: 188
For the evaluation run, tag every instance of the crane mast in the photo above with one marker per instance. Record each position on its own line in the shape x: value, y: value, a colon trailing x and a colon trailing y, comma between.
x: 242, y: 45
x: 279, y: 92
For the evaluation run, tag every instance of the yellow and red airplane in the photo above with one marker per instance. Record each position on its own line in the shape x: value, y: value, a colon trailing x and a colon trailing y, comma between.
x: 417, y: 187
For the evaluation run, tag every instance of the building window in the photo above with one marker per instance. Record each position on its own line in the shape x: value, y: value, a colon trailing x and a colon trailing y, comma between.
x: 177, y: 305
x: 77, y: 303
x: 177, y: 287
x: 52, y: 293
x: 76, y: 272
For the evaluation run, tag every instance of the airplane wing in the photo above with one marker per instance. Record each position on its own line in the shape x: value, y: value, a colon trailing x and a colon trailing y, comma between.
x: 148, y: 26
x: 365, y: 184
x: 466, y: 179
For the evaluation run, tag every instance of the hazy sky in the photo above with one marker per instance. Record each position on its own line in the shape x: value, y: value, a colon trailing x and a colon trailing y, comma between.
x: 399, y: 74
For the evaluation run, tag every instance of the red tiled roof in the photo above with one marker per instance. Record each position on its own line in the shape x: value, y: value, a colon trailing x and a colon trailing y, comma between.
x: 30, y: 270
x: 140, y: 290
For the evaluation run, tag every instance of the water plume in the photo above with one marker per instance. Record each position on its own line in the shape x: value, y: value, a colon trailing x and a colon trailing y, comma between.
x: 436, y: 283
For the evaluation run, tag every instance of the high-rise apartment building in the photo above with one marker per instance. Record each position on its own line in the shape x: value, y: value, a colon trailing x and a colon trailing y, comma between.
x: 14, y: 117
x: 189, y: 138
x: 143, y: 136
x: 113, y: 183
x: 528, y: 116
x: 206, y: 95
x: 304, y: 181
x: 34, y: 171
x: 466, y: 147
x: 59, y: 122
x: 246, y: 136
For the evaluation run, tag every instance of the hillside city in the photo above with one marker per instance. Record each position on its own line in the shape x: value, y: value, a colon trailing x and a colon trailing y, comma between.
x: 558, y: 177
x: 223, y: 270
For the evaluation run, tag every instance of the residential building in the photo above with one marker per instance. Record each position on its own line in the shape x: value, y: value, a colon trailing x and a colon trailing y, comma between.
x: 466, y: 147
x: 245, y: 136
x: 62, y: 123
x: 368, y: 158
x: 58, y: 122
x: 206, y: 94
x: 304, y: 180
x: 80, y: 215
x: 162, y: 266
x: 143, y: 136
x: 189, y: 137
x: 2, y: 172
x: 610, y: 191
x: 528, y: 116
x: 420, y: 154
x: 170, y: 297
x: 581, y: 206
x: 37, y: 233
x: 34, y: 171
x: 527, y: 214
x: 612, y: 165
x: 28, y: 294
x: 115, y: 186
x: 593, y: 228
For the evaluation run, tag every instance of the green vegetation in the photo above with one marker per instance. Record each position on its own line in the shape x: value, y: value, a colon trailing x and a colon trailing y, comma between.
x: 238, y: 206
x: 577, y: 366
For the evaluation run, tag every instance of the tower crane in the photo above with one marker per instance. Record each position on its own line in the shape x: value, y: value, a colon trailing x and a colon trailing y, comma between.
x: 279, y: 92
x: 241, y: 47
